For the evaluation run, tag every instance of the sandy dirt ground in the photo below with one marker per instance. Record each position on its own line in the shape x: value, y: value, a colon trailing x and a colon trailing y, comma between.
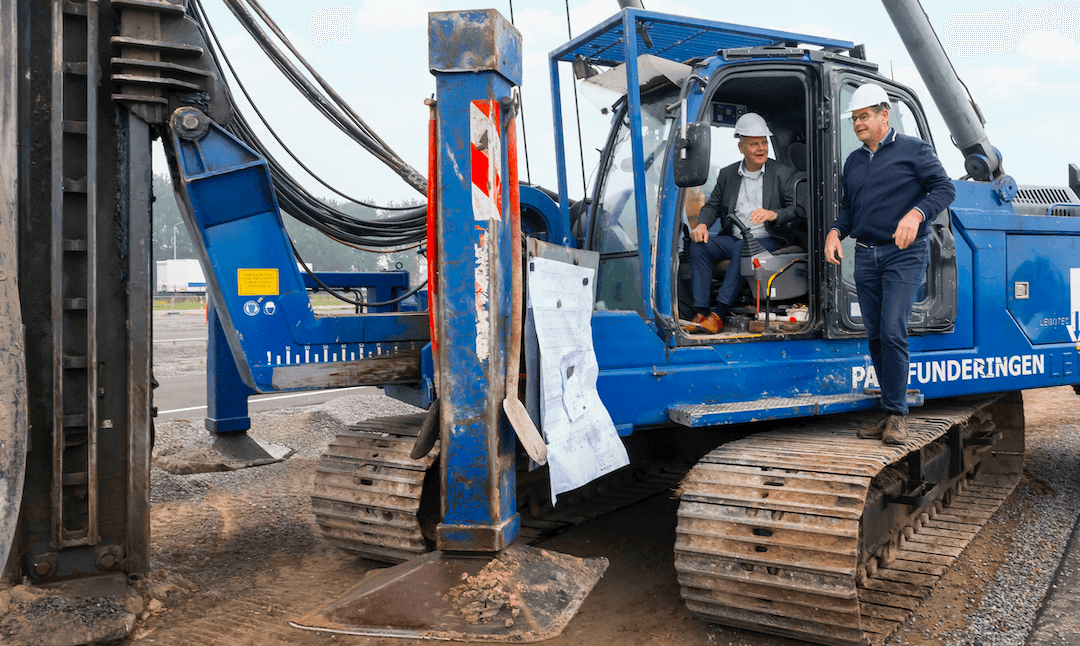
x: 236, y: 555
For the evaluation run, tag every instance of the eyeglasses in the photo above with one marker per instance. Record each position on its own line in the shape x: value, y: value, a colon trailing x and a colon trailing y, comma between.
x: 756, y: 144
x: 865, y: 116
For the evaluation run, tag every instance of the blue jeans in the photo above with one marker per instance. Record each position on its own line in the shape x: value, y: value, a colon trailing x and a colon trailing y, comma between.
x: 888, y: 279
x: 702, y: 257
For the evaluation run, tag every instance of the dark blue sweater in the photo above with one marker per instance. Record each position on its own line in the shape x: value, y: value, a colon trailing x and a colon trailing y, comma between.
x: 903, y: 174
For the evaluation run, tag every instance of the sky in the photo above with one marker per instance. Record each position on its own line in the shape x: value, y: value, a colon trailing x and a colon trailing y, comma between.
x: 1020, y: 62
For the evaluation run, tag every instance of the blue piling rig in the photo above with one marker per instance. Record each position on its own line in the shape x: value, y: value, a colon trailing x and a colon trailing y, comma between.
x: 973, y: 332
x: 796, y: 518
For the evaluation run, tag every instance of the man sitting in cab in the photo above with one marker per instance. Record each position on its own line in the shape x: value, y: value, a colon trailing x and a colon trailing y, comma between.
x: 760, y: 192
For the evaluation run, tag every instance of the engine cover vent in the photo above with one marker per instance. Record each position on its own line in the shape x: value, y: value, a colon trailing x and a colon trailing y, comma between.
x: 1038, y: 200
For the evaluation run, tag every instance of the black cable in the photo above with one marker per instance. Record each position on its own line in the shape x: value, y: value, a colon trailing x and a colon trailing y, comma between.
x: 332, y: 110
x: 577, y: 113
x: 342, y: 297
x: 406, y: 228
x: 403, y: 231
x: 270, y: 129
x: 322, y: 83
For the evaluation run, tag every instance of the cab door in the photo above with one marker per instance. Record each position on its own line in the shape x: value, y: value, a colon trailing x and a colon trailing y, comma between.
x: 935, y: 305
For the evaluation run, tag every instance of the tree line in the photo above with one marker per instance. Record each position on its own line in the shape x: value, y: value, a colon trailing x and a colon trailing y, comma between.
x: 317, y: 250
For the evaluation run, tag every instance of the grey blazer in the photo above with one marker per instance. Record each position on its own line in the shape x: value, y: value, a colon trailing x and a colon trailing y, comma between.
x: 777, y: 194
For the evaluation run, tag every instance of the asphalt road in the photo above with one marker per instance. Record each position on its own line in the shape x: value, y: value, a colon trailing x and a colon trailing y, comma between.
x: 185, y: 396
x: 180, y: 368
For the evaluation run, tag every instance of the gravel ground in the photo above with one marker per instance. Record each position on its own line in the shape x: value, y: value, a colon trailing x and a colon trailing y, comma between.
x: 308, y: 436
x: 990, y: 597
x: 247, y: 537
x: 1010, y: 564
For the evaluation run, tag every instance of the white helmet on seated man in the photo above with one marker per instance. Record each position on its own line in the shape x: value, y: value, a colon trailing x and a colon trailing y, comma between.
x: 752, y: 125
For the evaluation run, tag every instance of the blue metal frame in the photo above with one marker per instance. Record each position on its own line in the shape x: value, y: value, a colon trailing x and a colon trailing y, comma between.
x: 226, y: 392
x: 276, y: 340
x: 675, y: 38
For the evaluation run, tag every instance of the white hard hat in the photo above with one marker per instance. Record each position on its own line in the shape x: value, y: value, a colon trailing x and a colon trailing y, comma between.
x: 752, y: 125
x: 865, y: 96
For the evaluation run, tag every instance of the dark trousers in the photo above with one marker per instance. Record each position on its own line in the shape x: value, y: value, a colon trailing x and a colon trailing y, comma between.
x: 888, y: 279
x: 702, y: 257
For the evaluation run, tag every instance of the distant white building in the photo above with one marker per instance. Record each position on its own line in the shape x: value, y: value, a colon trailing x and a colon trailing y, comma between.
x: 181, y: 275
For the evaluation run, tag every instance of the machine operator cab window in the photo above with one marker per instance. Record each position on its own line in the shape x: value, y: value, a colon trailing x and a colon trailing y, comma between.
x: 935, y: 306
x: 780, y: 285
x: 614, y: 232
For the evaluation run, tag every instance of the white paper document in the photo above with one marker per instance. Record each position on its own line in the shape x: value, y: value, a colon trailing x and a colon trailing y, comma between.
x: 582, y: 441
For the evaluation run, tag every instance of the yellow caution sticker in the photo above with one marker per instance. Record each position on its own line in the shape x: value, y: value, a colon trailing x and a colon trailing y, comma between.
x: 257, y: 282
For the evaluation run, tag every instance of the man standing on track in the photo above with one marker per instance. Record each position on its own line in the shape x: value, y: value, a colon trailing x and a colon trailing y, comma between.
x: 892, y: 185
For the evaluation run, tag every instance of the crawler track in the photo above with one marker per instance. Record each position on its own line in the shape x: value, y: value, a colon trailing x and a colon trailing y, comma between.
x: 369, y: 495
x: 797, y: 532
x: 368, y: 490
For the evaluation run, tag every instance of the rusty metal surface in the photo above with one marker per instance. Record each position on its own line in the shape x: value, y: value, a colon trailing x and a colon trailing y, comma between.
x: 162, y: 62
x: 402, y: 367
x: 474, y: 41
x: 134, y: 207
x: 86, y: 486
x: 74, y: 274
x: 368, y: 490
x: 769, y: 530
x: 522, y: 595
x: 13, y: 412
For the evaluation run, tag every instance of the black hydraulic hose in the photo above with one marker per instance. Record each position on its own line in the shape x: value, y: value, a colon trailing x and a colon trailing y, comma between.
x: 322, y: 83
x: 334, y: 111
x: 342, y: 297
x: 402, y: 231
x: 285, y: 147
x: 407, y: 229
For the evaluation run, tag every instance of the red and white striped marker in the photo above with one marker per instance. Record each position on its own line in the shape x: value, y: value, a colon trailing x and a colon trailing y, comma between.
x: 485, y: 159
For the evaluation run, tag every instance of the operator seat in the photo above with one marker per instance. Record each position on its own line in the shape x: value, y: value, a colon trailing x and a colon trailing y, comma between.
x: 797, y: 157
x: 794, y: 282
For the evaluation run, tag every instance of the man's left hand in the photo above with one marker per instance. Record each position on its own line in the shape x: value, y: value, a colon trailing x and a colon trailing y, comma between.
x: 762, y: 215
x: 907, y: 229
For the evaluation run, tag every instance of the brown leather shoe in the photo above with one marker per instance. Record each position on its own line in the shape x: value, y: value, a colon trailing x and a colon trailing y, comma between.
x: 895, y: 430
x: 712, y: 323
x: 873, y: 432
x: 695, y: 323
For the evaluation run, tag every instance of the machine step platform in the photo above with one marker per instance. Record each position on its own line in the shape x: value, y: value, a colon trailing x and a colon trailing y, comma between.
x: 700, y: 415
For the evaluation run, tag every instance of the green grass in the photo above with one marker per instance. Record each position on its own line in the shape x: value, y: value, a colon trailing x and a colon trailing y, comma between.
x: 187, y: 302
x: 164, y: 303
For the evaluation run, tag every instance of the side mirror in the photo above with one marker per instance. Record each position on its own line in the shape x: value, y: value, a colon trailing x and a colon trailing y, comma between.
x: 691, y: 166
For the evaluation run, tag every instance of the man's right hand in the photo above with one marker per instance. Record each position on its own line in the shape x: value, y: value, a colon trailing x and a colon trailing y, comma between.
x: 700, y: 233
x: 834, y: 251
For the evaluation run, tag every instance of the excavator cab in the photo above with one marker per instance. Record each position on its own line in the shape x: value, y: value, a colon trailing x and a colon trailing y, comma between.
x: 782, y: 97
x: 792, y: 293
